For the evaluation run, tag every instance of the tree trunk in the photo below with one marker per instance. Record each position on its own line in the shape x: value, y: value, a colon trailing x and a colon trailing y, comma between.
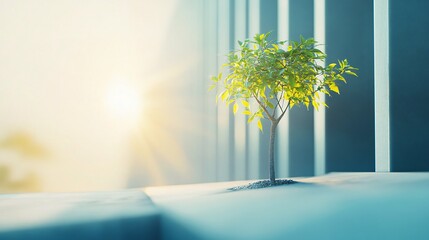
x: 271, y: 151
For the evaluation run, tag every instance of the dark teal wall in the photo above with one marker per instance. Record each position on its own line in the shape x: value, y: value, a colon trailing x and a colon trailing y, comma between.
x: 350, y: 116
x: 301, y: 120
x: 409, y: 85
x: 269, y: 17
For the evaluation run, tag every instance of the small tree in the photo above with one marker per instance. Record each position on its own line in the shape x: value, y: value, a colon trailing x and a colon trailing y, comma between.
x: 278, y: 76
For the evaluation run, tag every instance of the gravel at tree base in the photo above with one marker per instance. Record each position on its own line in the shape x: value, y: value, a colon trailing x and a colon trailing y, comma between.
x: 263, y: 184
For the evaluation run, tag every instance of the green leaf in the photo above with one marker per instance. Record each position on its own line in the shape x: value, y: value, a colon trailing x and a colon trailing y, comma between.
x: 250, y: 119
x: 292, y: 81
x: 245, y: 103
x: 212, y: 86
x: 326, y: 92
x: 306, y: 103
x: 235, y: 108
x: 224, y: 95
x: 276, y: 47
x: 260, y: 125
x: 315, y: 105
x: 270, y: 105
x: 247, y: 112
x: 341, y: 78
x: 316, y: 95
x: 262, y: 93
x: 332, y: 65
x: 334, y: 88
x: 219, y: 76
x: 351, y: 73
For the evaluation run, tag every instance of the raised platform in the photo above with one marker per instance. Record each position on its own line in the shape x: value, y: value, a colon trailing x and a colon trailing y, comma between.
x: 334, y: 206
x: 127, y: 214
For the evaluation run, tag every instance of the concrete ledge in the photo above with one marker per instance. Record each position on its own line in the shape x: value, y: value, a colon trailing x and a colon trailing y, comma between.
x: 98, y: 215
x: 334, y: 206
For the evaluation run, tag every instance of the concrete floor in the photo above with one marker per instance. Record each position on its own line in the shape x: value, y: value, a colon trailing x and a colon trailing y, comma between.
x: 334, y: 206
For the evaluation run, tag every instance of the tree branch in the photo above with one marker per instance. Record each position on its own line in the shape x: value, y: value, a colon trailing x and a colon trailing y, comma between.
x: 263, y: 107
x: 283, y: 113
x: 278, y: 105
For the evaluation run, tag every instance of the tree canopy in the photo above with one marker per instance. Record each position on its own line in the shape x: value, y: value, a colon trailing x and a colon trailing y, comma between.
x: 278, y: 76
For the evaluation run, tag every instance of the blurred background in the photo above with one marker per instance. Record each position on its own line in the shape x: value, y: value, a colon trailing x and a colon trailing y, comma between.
x: 98, y: 95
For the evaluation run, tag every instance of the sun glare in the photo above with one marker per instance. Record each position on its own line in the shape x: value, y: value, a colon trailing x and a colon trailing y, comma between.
x: 124, y: 102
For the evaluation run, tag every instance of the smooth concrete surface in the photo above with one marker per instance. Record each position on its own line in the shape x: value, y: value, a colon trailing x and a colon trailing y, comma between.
x: 127, y: 214
x: 333, y: 206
